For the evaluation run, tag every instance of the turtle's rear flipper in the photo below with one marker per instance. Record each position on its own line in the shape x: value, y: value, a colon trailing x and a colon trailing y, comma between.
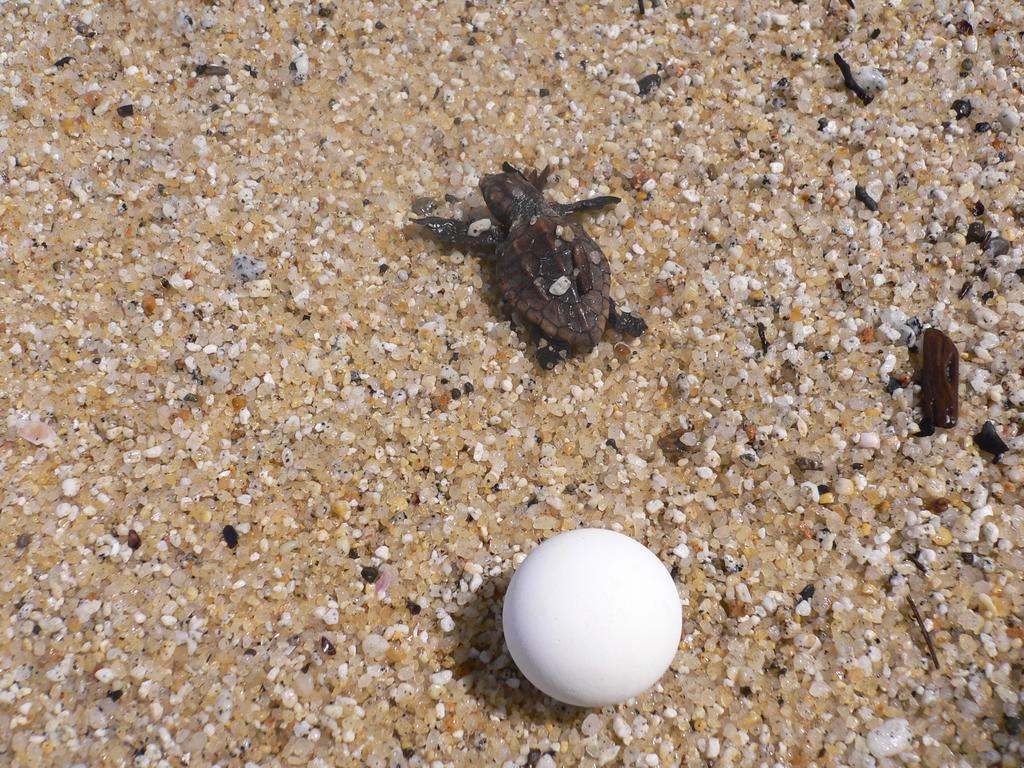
x: 591, y: 204
x: 551, y: 352
x: 626, y: 323
x: 461, y: 233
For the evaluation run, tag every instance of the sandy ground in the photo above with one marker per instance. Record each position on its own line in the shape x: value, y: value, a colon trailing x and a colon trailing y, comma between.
x: 269, y: 456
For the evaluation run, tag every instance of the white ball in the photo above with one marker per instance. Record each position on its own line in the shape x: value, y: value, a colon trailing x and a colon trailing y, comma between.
x: 592, y: 617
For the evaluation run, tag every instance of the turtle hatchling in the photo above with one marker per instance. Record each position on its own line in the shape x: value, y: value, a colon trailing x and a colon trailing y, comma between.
x: 549, y: 269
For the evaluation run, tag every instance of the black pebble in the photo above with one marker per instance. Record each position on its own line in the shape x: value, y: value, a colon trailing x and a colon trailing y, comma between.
x: 862, y: 195
x: 115, y: 695
x: 382, y: 268
x: 893, y: 385
x: 379, y: 25
x: 822, y: 123
x: 1012, y: 725
x: 126, y: 110
x: 975, y: 232
x: 543, y: 93
x: 134, y: 540
x: 327, y: 647
x: 989, y: 441
x: 456, y: 393
x: 648, y: 83
x: 413, y: 608
x: 63, y: 61
x: 807, y: 592
x: 210, y: 70
x: 981, y: 127
x: 370, y: 574
x: 467, y: 388
x: 230, y: 536
x: 963, y: 108
x: 23, y: 540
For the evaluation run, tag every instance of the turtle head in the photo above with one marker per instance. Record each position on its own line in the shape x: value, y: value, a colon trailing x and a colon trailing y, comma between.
x: 511, y: 193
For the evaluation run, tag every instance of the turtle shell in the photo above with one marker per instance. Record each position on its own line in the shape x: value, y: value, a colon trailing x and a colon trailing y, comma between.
x: 554, y: 274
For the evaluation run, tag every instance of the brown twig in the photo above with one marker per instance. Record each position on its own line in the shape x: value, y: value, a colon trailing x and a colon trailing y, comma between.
x: 851, y: 82
x: 924, y: 631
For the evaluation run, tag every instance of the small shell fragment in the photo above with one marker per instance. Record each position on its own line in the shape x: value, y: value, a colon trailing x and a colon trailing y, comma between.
x: 478, y: 227
x: 560, y: 286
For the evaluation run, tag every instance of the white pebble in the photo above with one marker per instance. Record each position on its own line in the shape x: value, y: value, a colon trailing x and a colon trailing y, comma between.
x: 844, y: 486
x: 991, y: 532
x: 869, y: 440
x: 714, y: 748
x: 70, y: 487
x: 870, y: 79
x: 105, y: 675
x: 479, y: 226
x: 441, y: 678
x: 560, y: 286
x: 246, y: 268
x: 890, y: 738
x: 622, y: 729
x: 300, y: 66
x: 1009, y: 119
x: 261, y: 289
x: 374, y: 646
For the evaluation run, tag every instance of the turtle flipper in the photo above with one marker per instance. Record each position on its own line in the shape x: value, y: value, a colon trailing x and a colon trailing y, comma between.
x: 626, y: 323
x: 459, y: 232
x: 590, y: 204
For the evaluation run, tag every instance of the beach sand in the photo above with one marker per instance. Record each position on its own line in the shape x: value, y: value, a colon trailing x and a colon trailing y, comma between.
x: 270, y: 455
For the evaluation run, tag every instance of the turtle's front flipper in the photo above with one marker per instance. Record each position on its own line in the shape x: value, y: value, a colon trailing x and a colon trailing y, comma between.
x: 626, y: 323
x: 591, y: 204
x: 475, y: 234
x: 551, y: 353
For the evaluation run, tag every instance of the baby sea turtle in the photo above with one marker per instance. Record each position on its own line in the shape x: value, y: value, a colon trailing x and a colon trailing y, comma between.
x: 548, y: 268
